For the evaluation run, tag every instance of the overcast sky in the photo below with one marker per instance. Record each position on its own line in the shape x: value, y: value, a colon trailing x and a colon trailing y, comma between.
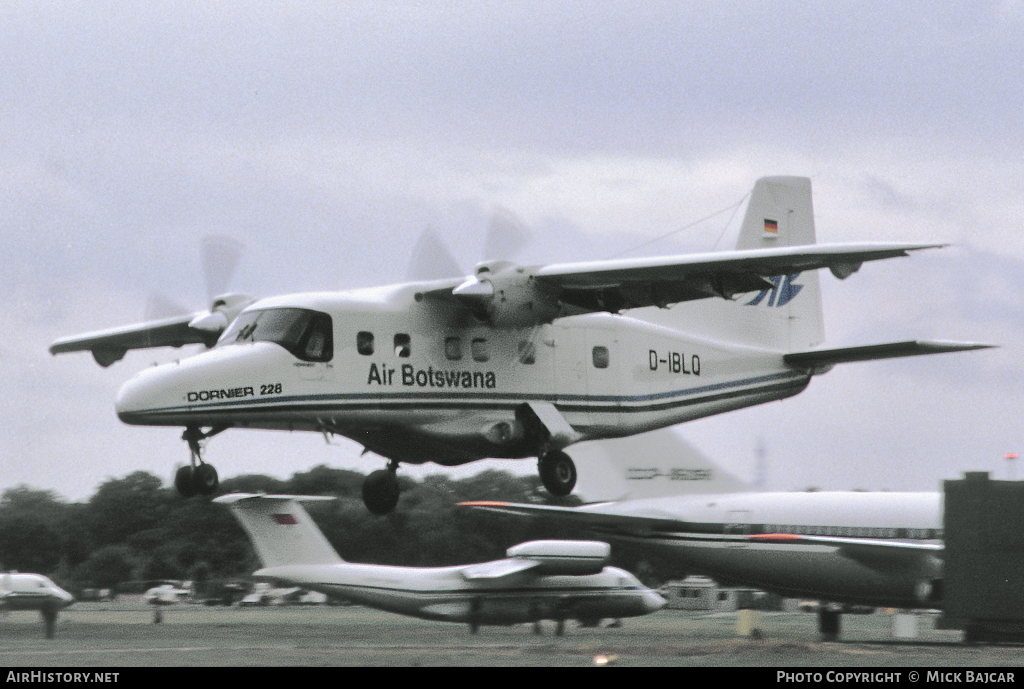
x: 326, y: 137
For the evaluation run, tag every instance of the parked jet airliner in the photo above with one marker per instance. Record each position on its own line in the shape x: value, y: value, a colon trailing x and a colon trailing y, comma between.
x: 540, y: 580
x: 513, y: 361
x: 877, y: 549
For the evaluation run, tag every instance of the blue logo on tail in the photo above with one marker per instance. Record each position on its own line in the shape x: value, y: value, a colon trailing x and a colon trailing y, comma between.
x: 782, y: 291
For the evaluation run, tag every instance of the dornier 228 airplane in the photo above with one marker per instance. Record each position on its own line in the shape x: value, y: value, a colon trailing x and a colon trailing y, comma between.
x: 513, y: 361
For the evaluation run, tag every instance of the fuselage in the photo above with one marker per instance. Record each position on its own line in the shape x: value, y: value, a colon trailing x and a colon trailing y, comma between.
x: 728, y: 537
x: 32, y: 592
x: 420, y: 380
x: 444, y: 593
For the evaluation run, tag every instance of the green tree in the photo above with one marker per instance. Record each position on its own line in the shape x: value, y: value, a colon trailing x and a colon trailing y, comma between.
x: 123, y: 507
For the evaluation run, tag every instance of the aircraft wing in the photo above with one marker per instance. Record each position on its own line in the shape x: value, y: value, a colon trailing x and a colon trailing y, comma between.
x: 669, y: 279
x: 560, y: 289
x: 875, y: 553
x: 499, y: 569
x: 201, y: 327
x: 108, y: 346
x: 626, y: 523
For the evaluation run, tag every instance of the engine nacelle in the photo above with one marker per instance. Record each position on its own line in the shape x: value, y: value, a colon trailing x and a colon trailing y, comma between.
x: 507, y: 296
x: 576, y: 558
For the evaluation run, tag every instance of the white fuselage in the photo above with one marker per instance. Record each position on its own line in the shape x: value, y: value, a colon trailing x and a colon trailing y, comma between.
x: 32, y: 592
x: 723, y: 536
x: 419, y: 380
x: 443, y: 593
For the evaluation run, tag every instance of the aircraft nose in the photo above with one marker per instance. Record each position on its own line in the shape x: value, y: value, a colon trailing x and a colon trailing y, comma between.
x: 145, y: 393
x: 653, y: 601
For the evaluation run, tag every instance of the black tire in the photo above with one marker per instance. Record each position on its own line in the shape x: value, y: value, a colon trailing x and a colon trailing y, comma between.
x: 557, y: 473
x: 205, y: 479
x: 183, y: 481
x: 380, y: 492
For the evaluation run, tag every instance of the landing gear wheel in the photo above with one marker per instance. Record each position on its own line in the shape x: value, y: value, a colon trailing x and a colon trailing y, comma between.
x: 205, y: 479
x: 557, y: 473
x: 183, y: 481
x: 380, y: 491
x: 196, y: 480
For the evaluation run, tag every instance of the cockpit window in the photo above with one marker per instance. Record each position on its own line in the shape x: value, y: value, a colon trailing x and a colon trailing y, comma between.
x: 306, y: 334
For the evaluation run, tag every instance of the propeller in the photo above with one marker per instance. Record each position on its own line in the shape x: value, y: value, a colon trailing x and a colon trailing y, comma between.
x: 506, y: 236
x: 432, y: 260
x: 220, y: 257
x: 499, y: 291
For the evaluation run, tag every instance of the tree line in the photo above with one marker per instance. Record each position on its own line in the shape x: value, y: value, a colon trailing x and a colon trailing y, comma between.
x: 136, y: 529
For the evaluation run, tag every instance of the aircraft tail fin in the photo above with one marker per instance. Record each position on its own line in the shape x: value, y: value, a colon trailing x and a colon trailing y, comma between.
x: 787, y: 316
x: 650, y: 465
x: 281, y: 530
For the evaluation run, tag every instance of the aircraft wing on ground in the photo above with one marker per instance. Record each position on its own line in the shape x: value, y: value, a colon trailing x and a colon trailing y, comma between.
x: 626, y: 523
x: 499, y: 569
x: 875, y: 553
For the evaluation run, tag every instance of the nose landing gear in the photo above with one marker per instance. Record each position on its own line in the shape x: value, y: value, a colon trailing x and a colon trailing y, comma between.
x: 198, y: 477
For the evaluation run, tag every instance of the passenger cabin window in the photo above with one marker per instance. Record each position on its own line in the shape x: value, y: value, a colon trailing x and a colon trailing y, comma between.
x: 364, y: 343
x: 527, y: 352
x: 403, y: 345
x: 479, y: 349
x: 600, y: 357
x: 307, y: 334
x: 453, y: 348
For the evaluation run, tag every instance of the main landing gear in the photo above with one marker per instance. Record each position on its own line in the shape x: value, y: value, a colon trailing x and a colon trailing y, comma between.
x: 198, y: 477
x: 829, y: 622
x: 557, y: 472
x: 380, y: 490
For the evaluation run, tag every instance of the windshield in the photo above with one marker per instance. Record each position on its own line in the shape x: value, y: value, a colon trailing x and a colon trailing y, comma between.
x: 306, y: 334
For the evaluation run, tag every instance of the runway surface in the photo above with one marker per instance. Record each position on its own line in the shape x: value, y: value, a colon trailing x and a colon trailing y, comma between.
x: 122, y: 634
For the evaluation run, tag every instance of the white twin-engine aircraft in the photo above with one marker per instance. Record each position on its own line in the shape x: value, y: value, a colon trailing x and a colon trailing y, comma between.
x: 539, y: 580
x: 513, y: 361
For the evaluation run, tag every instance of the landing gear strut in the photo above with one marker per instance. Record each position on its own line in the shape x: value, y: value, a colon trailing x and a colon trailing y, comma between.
x: 557, y: 472
x: 829, y: 622
x: 380, y: 490
x: 198, y: 478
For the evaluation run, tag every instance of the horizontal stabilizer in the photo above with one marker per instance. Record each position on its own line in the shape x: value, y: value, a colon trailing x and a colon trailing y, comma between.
x: 823, y: 359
